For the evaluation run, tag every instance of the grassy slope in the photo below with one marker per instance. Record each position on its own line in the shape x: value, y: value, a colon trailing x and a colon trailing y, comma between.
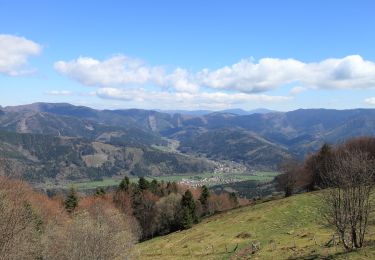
x: 293, y: 224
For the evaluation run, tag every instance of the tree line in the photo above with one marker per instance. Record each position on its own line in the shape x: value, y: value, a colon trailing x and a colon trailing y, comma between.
x: 105, y: 225
x: 164, y: 207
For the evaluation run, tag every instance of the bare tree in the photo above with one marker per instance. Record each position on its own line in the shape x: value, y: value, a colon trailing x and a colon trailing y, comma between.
x: 347, y: 203
x: 288, y: 180
x: 100, y: 232
x: 19, y: 229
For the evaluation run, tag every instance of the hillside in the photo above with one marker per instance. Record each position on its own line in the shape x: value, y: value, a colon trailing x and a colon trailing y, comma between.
x: 36, y: 119
x: 286, y: 229
x: 297, y: 132
x: 37, y: 157
x: 236, y: 144
x: 261, y: 141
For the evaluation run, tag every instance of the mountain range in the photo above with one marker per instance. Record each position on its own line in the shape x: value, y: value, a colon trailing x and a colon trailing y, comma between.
x: 72, y: 142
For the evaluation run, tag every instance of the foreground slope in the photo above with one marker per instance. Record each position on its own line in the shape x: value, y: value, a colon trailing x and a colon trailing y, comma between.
x: 288, y: 228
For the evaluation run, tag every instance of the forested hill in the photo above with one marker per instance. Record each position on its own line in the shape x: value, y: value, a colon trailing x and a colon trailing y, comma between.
x: 36, y: 157
x: 257, y: 140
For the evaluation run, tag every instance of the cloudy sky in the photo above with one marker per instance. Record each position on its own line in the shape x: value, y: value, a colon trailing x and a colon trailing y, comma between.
x: 208, y: 54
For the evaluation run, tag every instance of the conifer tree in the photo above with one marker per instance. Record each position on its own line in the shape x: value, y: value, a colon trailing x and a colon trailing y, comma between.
x: 99, y: 192
x: 71, y: 201
x: 204, y: 196
x: 154, y: 186
x: 188, y: 210
x: 125, y: 184
x: 143, y: 184
x: 186, y: 219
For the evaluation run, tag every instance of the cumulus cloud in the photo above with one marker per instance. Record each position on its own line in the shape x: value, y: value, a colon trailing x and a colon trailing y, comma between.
x: 123, y: 71
x: 14, y: 53
x: 350, y: 72
x: 185, y: 100
x: 370, y: 101
x: 118, y: 70
x: 249, y: 77
x: 181, y: 81
x: 246, y: 76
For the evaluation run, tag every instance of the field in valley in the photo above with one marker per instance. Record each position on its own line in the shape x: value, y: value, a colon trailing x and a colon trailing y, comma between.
x: 209, y: 179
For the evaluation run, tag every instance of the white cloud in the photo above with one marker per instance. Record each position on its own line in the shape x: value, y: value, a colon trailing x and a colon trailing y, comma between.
x: 185, y: 100
x: 249, y: 77
x: 118, y: 70
x: 350, y: 72
x: 123, y: 71
x: 14, y: 53
x: 245, y: 76
x: 59, y: 93
x: 370, y: 101
x: 181, y: 81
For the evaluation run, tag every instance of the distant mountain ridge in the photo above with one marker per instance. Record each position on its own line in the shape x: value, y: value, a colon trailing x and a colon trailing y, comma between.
x: 258, y: 140
x: 236, y: 111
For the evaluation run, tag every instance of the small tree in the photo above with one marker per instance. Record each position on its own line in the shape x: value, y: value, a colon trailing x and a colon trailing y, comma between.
x: 233, y: 198
x: 347, y: 203
x: 287, y: 181
x: 188, y: 210
x: 124, y: 184
x: 99, y: 192
x: 71, y: 201
x: 204, y: 198
x: 154, y: 186
x: 143, y: 184
x: 186, y: 218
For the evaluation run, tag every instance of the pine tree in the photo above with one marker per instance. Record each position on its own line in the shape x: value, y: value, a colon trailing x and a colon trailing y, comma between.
x: 188, y: 210
x: 71, y: 201
x: 204, y: 199
x: 143, y: 184
x: 154, y: 186
x: 186, y: 219
x: 204, y: 196
x: 124, y: 184
x: 99, y: 192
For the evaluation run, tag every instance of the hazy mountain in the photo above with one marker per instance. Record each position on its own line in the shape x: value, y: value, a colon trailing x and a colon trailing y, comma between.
x: 258, y: 139
x: 241, y: 112
x: 67, y: 120
x: 38, y: 157
x: 187, y: 112
x: 238, y: 145
x: 236, y: 111
x: 148, y: 119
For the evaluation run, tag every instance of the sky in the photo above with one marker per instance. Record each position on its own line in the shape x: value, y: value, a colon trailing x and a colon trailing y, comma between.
x: 204, y: 54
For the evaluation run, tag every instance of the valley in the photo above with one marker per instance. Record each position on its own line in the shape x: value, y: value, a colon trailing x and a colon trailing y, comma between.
x: 55, y: 145
x: 173, y: 130
x: 214, y: 180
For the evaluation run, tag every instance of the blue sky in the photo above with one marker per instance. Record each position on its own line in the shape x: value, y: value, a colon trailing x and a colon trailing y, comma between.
x: 208, y: 54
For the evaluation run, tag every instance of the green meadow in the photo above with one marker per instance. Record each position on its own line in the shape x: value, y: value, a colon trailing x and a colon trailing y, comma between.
x: 289, y: 228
